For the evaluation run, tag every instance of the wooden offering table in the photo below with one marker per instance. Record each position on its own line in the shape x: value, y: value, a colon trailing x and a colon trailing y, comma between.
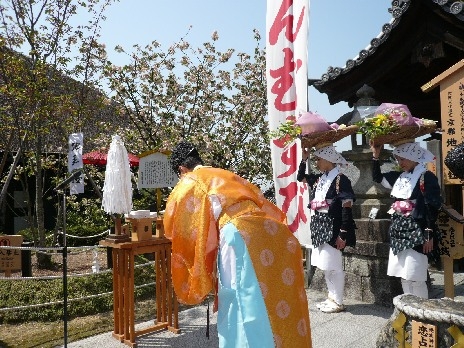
x: 123, y: 288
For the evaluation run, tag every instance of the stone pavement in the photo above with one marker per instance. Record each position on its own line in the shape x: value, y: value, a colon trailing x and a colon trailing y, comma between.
x: 357, y: 327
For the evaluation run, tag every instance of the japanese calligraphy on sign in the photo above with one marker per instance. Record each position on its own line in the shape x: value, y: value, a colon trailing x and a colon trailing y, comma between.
x: 155, y: 171
x: 10, y: 259
x: 450, y: 223
x: 424, y: 335
x: 287, y: 89
x: 75, y: 145
x: 451, y: 84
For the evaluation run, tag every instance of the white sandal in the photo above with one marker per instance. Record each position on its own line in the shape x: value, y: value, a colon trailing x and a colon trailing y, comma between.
x: 332, y: 307
x: 321, y: 304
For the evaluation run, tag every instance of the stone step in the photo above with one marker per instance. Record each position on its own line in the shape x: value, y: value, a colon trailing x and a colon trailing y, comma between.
x: 372, y: 229
x: 369, y: 249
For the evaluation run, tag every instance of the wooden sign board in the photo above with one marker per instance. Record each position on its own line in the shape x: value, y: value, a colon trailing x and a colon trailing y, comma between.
x: 10, y: 259
x: 155, y: 171
x: 423, y: 335
x: 450, y: 223
x: 451, y: 84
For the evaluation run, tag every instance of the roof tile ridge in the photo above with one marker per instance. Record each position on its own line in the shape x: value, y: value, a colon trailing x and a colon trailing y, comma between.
x: 399, y: 7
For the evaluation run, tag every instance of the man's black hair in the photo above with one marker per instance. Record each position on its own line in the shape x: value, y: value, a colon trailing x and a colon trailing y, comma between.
x: 184, y: 154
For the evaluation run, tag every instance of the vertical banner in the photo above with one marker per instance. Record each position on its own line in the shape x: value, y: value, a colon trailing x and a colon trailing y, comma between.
x: 75, y: 145
x: 287, y: 94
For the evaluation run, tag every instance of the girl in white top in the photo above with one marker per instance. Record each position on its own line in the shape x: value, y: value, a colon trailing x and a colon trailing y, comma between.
x: 413, y: 230
x: 332, y: 225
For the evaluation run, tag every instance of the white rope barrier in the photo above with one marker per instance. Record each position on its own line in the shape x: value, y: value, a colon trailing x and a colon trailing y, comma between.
x: 85, y: 237
x: 30, y: 248
x: 60, y: 248
x: 72, y: 275
x: 57, y: 251
x: 69, y: 300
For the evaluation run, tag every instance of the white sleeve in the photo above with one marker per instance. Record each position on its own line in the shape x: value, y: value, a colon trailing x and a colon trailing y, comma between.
x: 386, y: 184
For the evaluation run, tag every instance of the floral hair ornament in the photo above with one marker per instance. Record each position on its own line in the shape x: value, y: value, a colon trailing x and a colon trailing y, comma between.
x: 293, y: 128
x: 287, y: 132
x: 413, y: 152
x: 330, y: 154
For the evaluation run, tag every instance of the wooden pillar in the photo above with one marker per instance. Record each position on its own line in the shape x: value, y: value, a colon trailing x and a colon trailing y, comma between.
x: 448, y: 276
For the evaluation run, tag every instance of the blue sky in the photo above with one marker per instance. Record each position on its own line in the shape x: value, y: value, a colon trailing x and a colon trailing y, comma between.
x: 338, y: 30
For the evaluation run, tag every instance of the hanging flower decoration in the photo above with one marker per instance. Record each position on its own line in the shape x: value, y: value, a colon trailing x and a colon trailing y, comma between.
x: 286, y: 132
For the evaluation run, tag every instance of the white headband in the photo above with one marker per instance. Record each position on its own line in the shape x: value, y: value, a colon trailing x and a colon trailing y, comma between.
x: 413, y: 152
x: 330, y: 154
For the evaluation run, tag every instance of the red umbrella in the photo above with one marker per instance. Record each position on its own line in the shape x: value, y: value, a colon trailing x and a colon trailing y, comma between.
x: 98, y: 158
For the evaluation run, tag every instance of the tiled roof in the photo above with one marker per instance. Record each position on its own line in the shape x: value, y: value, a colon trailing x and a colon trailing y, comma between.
x: 399, y: 7
x: 454, y: 7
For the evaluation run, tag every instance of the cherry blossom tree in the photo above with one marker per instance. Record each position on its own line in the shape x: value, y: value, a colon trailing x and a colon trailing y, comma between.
x: 215, y: 99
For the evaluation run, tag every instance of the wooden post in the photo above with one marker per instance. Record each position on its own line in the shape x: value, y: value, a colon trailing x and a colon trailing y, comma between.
x: 126, y: 293
x: 448, y: 276
x: 450, y: 82
x: 123, y: 288
x: 114, y: 252
x: 117, y: 226
x: 158, y: 284
x: 130, y: 291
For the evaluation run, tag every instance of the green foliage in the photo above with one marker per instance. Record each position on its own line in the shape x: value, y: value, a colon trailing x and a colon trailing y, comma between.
x: 28, y: 234
x: 286, y: 131
x: 20, y: 293
x: 85, y: 217
x: 36, y: 291
x: 143, y: 199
